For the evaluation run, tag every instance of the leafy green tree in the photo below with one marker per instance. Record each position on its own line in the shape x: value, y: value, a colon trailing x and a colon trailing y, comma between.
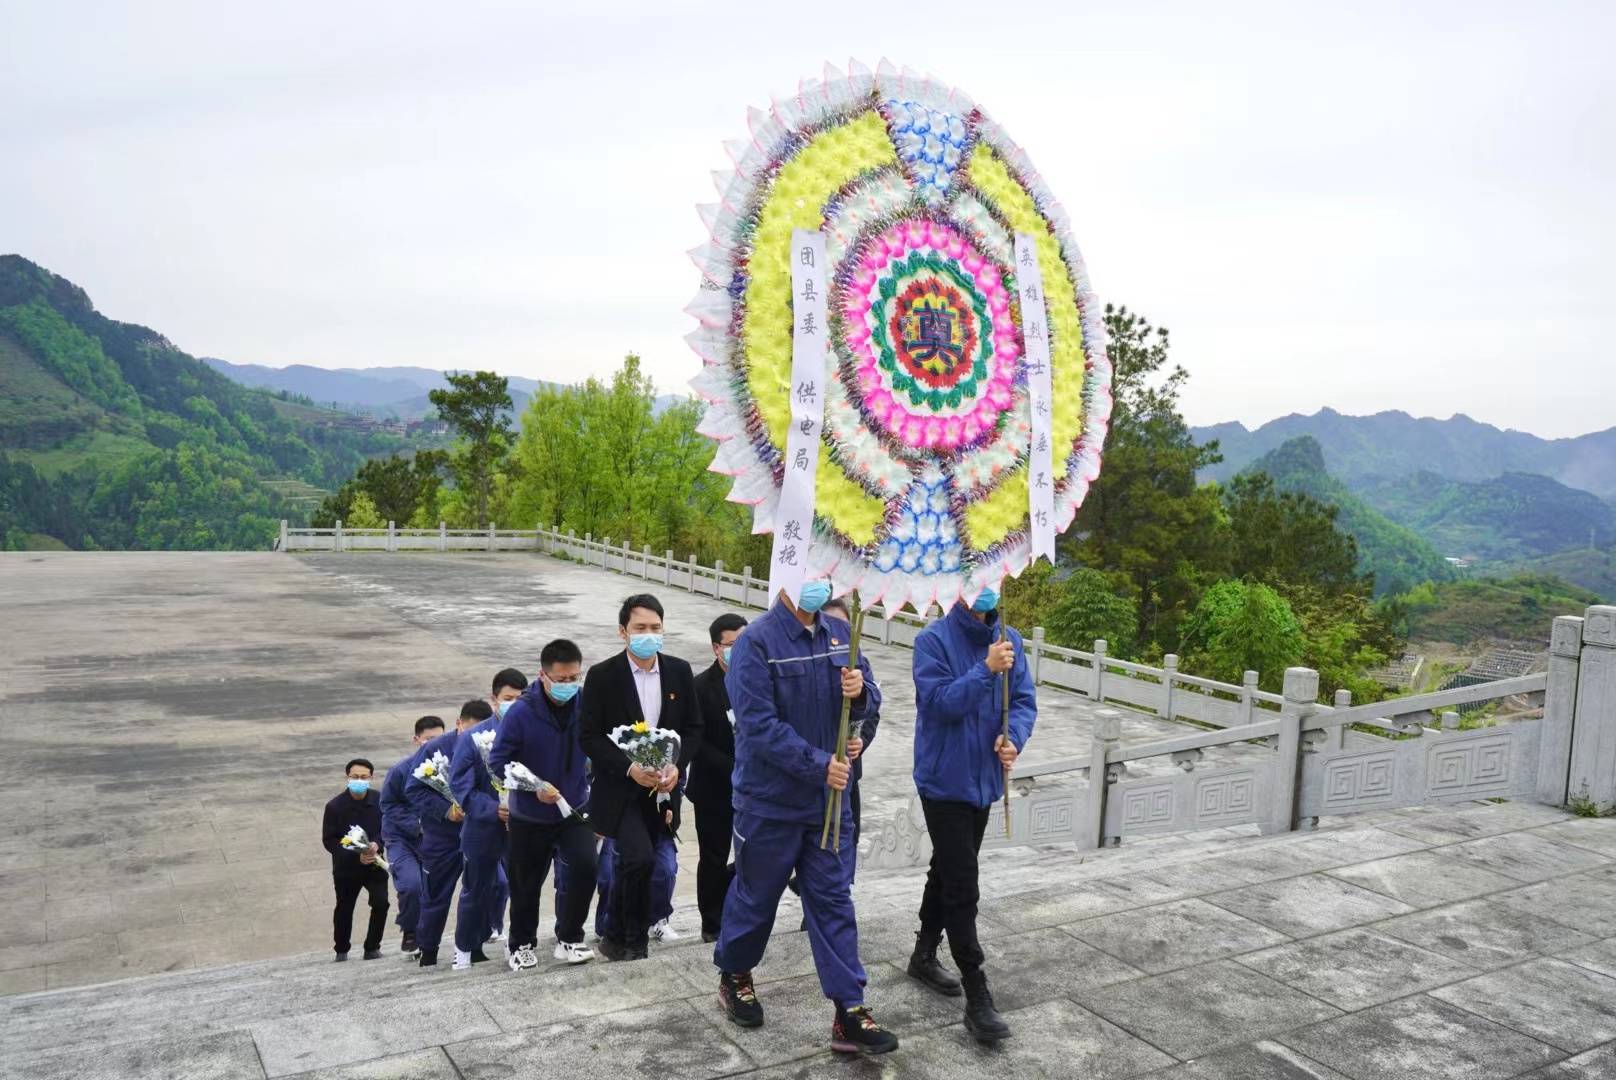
x: 396, y: 486
x: 1286, y: 538
x: 362, y: 513
x: 1147, y: 517
x: 1093, y: 605
x: 477, y: 407
x: 1242, y: 626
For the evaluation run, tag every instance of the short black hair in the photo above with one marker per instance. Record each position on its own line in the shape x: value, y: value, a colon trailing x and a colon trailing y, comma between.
x: 839, y: 604
x: 723, y: 624
x: 358, y: 761
x: 639, y: 600
x: 427, y: 723
x: 560, y: 651
x: 510, y: 677
x: 476, y: 709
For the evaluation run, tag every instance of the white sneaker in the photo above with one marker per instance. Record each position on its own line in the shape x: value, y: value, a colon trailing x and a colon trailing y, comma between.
x: 523, y: 959
x: 661, y: 931
x: 574, y: 952
x: 462, y: 961
x: 500, y: 937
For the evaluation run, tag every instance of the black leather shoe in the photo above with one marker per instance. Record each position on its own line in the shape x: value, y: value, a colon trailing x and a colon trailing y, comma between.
x: 982, y: 1020
x: 924, y: 965
x: 429, y: 958
x: 613, y: 949
x: 373, y: 954
x: 709, y: 936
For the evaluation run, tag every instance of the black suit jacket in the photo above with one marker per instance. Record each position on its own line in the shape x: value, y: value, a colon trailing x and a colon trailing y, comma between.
x: 715, y: 757
x: 610, y: 700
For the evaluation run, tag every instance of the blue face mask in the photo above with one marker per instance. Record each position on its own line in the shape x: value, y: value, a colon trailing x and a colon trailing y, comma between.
x: 645, y: 646
x: 726, y: 655
x: 501, y: 709
x: 814, y: 595
x: 986, y: 600
x: 358, y: 787
x: 563, y: 692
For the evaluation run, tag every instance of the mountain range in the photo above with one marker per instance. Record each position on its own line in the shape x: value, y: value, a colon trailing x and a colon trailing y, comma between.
x: 1387, y: 445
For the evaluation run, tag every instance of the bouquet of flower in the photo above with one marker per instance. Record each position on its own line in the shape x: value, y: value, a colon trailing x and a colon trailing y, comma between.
x: 654, y: 749
x: 356, y: 840
x: 519, y: 777
x: 484, y: 742
x: 434, y: 773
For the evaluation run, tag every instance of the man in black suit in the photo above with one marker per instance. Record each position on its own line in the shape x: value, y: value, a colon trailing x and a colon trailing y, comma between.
x: 709, y: 784
x: 639, y: 683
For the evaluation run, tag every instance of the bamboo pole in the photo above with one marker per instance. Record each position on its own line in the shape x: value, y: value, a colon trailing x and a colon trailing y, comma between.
x: 1004, y: 635
x: 833, y: 805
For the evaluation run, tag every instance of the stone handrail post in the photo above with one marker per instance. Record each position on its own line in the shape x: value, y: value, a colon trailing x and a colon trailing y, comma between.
x: 1248, y: 695
x: 1106, y: 735
x: 1169, y: 673
x: 1097, y: 686
x: 1035, y: 653
x: 1559, y: 707
x: 1592, y: 774
x: 1301, y: 692
x: 338, y: 540
x: 667, y: 567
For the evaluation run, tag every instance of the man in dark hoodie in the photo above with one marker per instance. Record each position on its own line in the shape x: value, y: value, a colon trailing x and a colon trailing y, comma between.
x: 401, y: 831
x: 540, y: 731
x: 441, y: 860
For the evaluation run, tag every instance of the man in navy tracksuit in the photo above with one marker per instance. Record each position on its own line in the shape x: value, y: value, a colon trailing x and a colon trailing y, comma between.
x: 787, y: 678
x: 441, y: 860
x: 482, y: 843
x: 401, y: 831
x: 540, y: 730
x: 961, y: 760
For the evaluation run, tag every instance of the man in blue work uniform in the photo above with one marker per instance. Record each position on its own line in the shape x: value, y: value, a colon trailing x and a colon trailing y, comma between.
x: 401, y: 831
x: 482, y: 842
x: 787, y: 678
x: 961, y: 761
x: 441, y: 860
x: 540, y: 730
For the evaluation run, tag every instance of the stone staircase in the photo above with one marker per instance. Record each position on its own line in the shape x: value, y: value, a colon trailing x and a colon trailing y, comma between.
x: 1467, y: 941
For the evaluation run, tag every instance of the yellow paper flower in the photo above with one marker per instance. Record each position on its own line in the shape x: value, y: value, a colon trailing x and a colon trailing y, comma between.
x: 641, y: 728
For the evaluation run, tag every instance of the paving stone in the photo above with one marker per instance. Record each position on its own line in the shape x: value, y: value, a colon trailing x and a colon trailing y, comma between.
x: 1420, y: 1038
x: 1440, y: 825
x: 371, y: 1029
x: 1424, y: 878
x: 1024, y: 969
x: 1175, y: 935
x: 1271, y: 863
x: 658, y: 1041
x: 429, y: 1064
x: 1263, y: 1060
x: 1597, y: 1064
x: 1585, y: 901
x: 1314, y: 904
x: 1552, y: 1001
x: 1057, y: 1039
x: 1197, y: 878
x: 799, y: 1017
x: 1525, y: 856
x: 1198, y: 1010
x: 1483, y: 934
x: 1356, y: 968
x: 1344, y: 847
x: 1065, y: 904
x: 551, y: 994
x: 1594, y: 834
x: 1600, y: 956
x: 23, y: 980
x: 229, y: 1056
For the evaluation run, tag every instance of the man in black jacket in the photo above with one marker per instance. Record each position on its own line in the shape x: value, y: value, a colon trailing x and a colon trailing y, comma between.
x: 354, y: 870
x: 709, y: 783
x: 638, y: 684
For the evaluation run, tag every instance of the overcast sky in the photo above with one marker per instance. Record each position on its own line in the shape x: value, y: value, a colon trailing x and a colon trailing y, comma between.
x: 1406, y: 205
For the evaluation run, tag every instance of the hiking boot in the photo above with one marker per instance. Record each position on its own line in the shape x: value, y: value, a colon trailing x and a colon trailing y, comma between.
x: 855, y: 1031
x: 924, y: 965
x: 982, y: 1020
x: 739, y: 999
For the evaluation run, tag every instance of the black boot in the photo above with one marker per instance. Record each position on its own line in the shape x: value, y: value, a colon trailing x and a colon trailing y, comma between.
x: 924, y: 965
x: 981, y: 1019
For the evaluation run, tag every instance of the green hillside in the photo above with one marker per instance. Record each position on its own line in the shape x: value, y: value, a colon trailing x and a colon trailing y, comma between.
x: 1399, y: 558
x: 1591, y: 569
x: 1506, y: 518
x: 1520, y: 608
x: 111, y: 437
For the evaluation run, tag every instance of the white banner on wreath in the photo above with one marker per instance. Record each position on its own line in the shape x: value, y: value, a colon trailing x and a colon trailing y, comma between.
x: 1040, y: 397
x: 794, y: 519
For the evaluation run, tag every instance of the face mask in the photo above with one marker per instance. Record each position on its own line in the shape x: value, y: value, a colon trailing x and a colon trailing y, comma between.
x: 501, y: 709
x: 563, y: 692
x: 358, y: 787
x: 726, y: 655
x: 645, y: 646
x: 814, y: 595
x: 986, y: 600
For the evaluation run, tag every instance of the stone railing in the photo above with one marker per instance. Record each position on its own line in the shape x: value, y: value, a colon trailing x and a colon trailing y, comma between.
x: 1297, y: 766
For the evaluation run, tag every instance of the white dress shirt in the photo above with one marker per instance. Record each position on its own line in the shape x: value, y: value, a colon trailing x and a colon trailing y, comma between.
x: 648, y: 684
